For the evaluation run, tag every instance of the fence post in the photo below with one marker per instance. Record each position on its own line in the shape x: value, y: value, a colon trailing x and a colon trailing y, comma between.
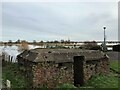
x: 11, y: 58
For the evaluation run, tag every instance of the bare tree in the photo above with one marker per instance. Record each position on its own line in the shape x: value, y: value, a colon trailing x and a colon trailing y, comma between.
x: 23, y: 46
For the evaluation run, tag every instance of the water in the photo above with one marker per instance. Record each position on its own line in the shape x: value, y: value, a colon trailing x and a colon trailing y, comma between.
x: 14, y: 50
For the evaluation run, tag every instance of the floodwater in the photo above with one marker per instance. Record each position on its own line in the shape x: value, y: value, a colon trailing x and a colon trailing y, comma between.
x: 14, y: 50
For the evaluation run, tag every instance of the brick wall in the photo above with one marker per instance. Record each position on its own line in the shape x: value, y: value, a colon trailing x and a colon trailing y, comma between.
x: 51, y: 74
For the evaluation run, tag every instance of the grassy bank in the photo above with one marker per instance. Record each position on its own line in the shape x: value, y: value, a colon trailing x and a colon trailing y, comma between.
x: 102, y: 81
x: 114, y: 64
x: 12, y: 73
x: 106, y: 81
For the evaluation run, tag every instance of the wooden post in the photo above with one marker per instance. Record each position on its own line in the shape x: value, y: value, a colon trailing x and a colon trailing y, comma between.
x: 9, y: 58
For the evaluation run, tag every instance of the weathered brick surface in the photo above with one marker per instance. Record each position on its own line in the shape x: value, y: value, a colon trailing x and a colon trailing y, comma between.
x: 49, y: 74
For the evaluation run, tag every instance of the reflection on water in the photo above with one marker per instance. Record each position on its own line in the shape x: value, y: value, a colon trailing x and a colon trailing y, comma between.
x: 14, y: 50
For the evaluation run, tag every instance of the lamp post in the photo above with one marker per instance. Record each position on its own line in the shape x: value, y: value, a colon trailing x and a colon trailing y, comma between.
x: 104, y: 35
x: 104, y: 44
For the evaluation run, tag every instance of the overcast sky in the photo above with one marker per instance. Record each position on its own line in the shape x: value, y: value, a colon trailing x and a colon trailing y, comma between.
x: 55, y: 21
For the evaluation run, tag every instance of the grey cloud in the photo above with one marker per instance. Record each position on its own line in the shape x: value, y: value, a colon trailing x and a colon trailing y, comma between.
x: 57, y: 20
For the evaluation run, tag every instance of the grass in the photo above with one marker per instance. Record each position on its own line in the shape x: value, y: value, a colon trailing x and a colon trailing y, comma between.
x: 11, y: 72
x: 66, y: 85
x: 114, y: 64
x: 102, y: 81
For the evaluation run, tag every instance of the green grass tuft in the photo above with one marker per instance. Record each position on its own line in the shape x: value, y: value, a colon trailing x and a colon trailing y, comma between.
x: 102, y: 81
x: 114, y: 64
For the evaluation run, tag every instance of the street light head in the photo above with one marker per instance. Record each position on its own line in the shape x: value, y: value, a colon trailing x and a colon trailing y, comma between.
x: 104, y: 27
